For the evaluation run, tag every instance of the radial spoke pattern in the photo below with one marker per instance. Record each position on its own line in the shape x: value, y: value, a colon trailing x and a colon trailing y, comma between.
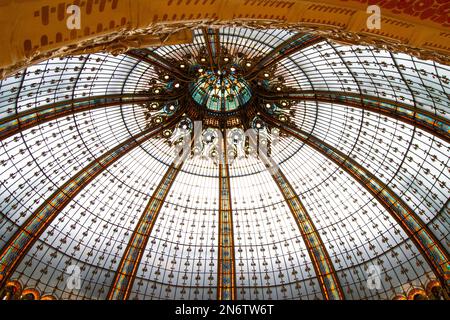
x: 14, y: 251
x: 13, y: 124
x: 428, y: 121
x: 436, y: 255
x: 158, y: 61
x: 283, y: 50
x: 88, y: 181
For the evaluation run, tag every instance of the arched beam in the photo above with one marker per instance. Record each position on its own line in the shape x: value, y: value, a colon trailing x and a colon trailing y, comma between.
x: 155, y: 59
x: 226, y: 271
x: 129, y: 264
x: 217, y: 46
x: 210, y: 47
x: 288, y: 47
x: 321, y: 261
x: 29, y: 232
x: 431, y: 249
x: 422, y: 119
x: 323, y: 266
x: 213, y: 46
x: 32, y: 117
x: 117, y: 26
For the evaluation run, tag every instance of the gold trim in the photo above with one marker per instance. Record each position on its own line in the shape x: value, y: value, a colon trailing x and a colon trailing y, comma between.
x: 117, y: 26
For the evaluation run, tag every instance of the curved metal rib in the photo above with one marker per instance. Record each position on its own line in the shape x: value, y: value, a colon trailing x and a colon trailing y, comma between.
x: 425, y: 120
x: 128, y: 267
x: 158, y: 61
x: 296, y: 43
x: 431, y: 249
x: 24, y: 120
x: 323, y: 266
x: 328, y: 280
x: 19, y: 244
x: 210, y: 47
x: 226, y: 274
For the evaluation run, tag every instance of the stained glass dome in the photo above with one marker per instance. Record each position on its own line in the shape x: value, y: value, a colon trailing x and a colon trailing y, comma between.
x: 342, y: 193
x: 221, y: 91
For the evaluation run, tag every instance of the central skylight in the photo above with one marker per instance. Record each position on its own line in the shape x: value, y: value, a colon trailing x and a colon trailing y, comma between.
x: 221, y: 90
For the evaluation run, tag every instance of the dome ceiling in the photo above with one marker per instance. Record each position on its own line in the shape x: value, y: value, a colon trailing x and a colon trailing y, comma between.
x: 92, y: 179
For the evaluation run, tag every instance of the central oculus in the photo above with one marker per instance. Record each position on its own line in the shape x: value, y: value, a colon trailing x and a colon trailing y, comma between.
x: 220, y: 90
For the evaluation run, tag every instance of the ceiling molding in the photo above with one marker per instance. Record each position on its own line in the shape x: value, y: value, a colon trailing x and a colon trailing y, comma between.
x: 36, y: 30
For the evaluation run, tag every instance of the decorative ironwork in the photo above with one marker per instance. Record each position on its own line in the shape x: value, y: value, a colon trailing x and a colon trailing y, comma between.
x: 297, y: 42
x: 323, y: 267
x: 128, y: 267
x: 426, y: 120
x: 24, y: 120
x: 13, y: 290
x: 19, y: 244
x: 226, y: 273
x: 161, y: 63
x: 204, y: 81
x: 418, y: 232
x: 329, y: 282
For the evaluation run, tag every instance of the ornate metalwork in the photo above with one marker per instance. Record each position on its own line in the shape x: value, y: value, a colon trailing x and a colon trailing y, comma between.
x: 202, y: 72
x: 19, y: 244
x: 226, y: 273
x: 329, y: 282
x: 323, y: 266
x: 128, y: 267
x: 296, y: 43
x: 133, y: 27
x: 161, y: 63
x: 425, y: 120
x: 422, y: 237
x: 24, y: 120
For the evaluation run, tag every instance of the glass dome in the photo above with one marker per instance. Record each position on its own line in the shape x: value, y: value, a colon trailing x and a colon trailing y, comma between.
x: 92, y: 184
x: 221, y: 91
